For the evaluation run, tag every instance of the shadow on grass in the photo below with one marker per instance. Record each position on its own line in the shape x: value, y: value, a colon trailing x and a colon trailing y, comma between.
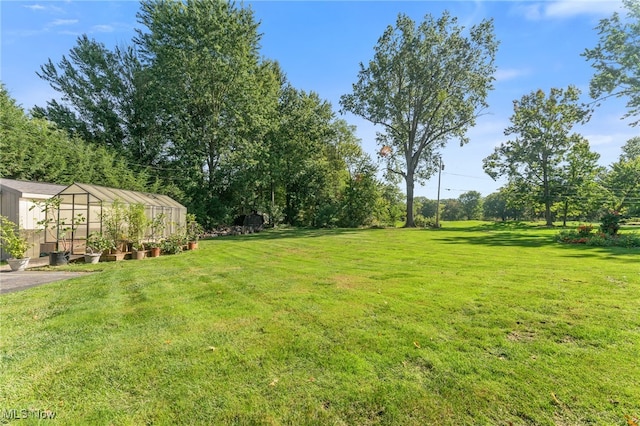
x: 584, y: 251
x: 497, y: 234
x: 523, y: 234
x: 501, y: 240
x: 284, y: 233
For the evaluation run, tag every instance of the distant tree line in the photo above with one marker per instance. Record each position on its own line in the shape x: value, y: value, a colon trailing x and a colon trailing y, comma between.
x: 581, y: 191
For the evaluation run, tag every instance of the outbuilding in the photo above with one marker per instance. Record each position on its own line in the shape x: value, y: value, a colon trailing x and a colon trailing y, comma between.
x: 96, y: 203
x: 17, y: 200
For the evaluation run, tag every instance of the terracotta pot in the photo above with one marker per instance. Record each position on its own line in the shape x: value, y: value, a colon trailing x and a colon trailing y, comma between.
x: 193, y: 245
x: 154, y: 252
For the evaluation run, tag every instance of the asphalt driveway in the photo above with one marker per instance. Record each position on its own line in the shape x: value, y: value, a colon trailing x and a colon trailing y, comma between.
x: 11, y: 281
x: 16, y: 281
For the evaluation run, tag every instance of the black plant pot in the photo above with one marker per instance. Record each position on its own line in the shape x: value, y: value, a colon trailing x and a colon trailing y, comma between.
x: 58, y: 258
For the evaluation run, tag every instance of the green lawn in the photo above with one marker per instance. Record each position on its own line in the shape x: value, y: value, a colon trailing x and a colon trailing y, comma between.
x: 475, y: 323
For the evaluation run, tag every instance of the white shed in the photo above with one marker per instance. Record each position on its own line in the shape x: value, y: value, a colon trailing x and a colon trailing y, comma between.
x: 16, y: 200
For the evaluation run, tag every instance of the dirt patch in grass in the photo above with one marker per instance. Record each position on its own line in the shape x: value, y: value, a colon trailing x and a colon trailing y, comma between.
x: 521, y: 336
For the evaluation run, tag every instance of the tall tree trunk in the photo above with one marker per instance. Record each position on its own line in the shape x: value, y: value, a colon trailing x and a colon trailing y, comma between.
x: 410, y: 223
x: 546, y: 192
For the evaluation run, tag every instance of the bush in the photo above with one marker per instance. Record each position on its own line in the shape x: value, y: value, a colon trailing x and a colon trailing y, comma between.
x: 585, y: 230
x: 568, y: 236
x: 598, y: 239
x: 627, y: 240
x: 610, y: 222
x: 173, y: 244
x: 13, y: 243
x: 424, y: 222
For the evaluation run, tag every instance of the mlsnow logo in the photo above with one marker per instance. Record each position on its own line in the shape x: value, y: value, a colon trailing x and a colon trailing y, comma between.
x: 24, y: 413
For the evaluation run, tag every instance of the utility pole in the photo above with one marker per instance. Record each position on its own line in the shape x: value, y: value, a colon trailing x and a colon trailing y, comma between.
x: 440, y: 169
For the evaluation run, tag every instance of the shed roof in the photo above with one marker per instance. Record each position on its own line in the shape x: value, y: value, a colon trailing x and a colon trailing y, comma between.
x: 109, y: 195
x: 27, y: 189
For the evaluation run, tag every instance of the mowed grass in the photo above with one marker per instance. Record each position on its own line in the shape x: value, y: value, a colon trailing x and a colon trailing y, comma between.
x: 475, y: 323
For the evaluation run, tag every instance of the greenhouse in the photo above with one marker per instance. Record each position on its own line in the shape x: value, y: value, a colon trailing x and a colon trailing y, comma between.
x: 81, y: 210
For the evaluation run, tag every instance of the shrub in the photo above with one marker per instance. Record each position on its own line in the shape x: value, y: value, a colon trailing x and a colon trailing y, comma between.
x: 628, y: 240
x: 13, y: 243
x: 610, y: 222
x: 585, y: 230
x: 567, y: 236
x: 598, y: 239
x: 173, y: 244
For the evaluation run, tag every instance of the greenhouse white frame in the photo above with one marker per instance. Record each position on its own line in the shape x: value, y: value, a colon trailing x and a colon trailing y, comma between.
x: 92, y: 201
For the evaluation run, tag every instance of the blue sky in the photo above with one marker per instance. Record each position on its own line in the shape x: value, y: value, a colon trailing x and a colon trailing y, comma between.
x: 320, y: 44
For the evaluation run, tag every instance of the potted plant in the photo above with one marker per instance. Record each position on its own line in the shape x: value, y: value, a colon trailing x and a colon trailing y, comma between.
x: 194, y: 231
x: 113, y: 223
x: 156, y: 226
x: 60, y: 229
x: 154, y: 248
x: 14, y: 244
x: 96, y: 245
x: 137, y: 225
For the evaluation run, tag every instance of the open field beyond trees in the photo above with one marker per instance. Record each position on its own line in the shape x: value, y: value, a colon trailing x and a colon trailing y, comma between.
x: 475, y: 323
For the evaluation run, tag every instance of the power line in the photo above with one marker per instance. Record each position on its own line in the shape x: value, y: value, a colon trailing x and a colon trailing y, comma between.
x: 472, y: 177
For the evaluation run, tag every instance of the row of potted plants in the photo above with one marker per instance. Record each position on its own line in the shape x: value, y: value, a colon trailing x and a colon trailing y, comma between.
x: 125, y: 229
x: 142, y: 236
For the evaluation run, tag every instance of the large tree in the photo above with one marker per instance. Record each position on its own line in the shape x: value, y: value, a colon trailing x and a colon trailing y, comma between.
x: 104, y: 100
x: 211, y: 91
x: 471, y: 202
x: 579, y: 187
x: 495, y: 206
x: 297, y: 148
x: 616, y: 59
x: 426, y: 84
x: 541, y: 126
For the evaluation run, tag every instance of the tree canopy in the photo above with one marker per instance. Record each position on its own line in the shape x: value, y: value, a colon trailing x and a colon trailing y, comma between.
x: 193, y: 104
x: 34, y: 149
x: 425, y: 85
x: 616, y: 59
x: 534, y: 159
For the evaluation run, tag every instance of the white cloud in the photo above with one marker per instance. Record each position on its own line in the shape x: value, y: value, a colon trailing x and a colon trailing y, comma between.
x: 60, y: 22
x: 35, y: 7
x: 559, y: 9
x: 102, y: 29
x: 568, y: 8
x: 503, y: 74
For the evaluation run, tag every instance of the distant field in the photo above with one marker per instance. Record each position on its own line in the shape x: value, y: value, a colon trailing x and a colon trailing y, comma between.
x: 475, y: 323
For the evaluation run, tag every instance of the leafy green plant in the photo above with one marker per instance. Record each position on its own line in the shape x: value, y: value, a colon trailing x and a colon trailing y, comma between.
x: 114, y: 221
x: 425, y: 222
x: 610, y: 222
x: 156, y: 227
x: 59, y: 229
x: 98, y: 243
x: 193, y: 230
x: 585, y: 230
x: 12, y: 242
x: 137, y: 225
x: 173, y: 244
x: 584, y: 235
